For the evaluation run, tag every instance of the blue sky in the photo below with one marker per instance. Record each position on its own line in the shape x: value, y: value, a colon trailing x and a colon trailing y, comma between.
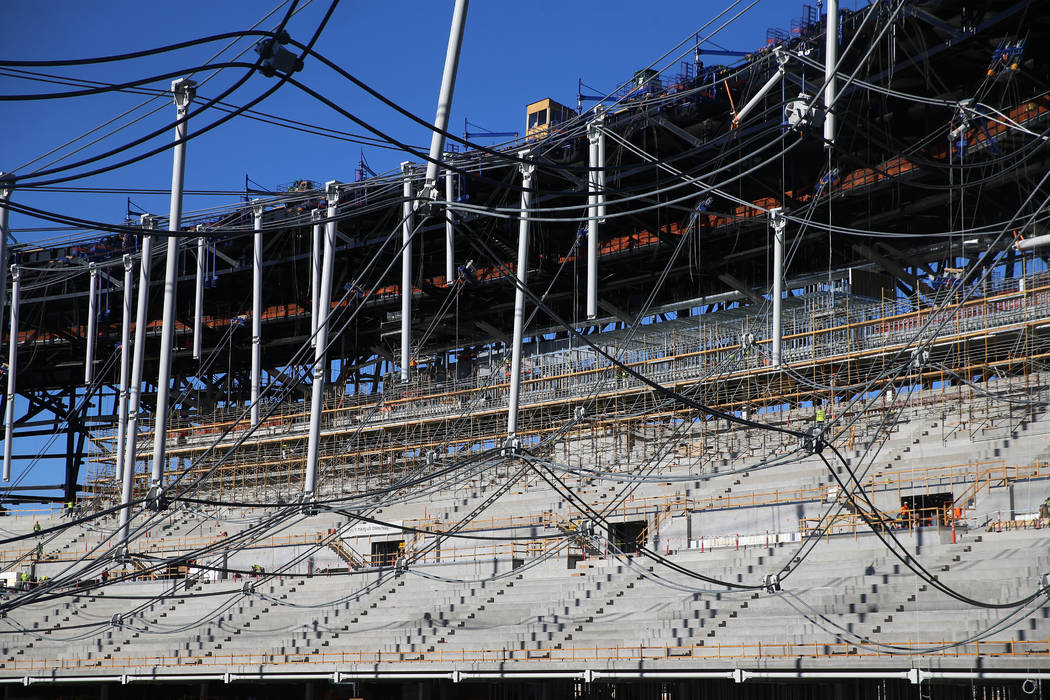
x: 513, y: 53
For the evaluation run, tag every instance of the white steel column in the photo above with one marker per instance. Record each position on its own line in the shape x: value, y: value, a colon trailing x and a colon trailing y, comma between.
x: 407, y: 227
x: 198, y: 301
x: 135, y: 385
x: 831, y: 57
x: 776, y: 217
x: 5, y: 231
x: 12, y: 369
x: 315, y: 272
x: 519, y: 300
x: 122, y: 410
x: 92, y: 320
x: 600, y: 121
x: 257, y: 313
x: 324, y: 305
x: 593, y: 138
x: 125, y: 356
x: 444, y: 107
x: 183, y: 91
x: 450, y: 241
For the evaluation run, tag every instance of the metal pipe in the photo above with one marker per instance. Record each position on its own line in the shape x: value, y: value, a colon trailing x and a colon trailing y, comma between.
x: 92, y: 320
x: 198, y: 302
x: 257, y: 254
x: 592, y: 221
x: 815, y: 675
x: 323, y: 297
x: 125, y: 356
x: 831, y: 58
x: 407, y: 227
x: 754, y: 101
x: 1019, y: 675
x: 315, y: 272
x: 450, y: 242
x: 1033, y: 242
x: 779, y: 223
x: 658, y: 675
x: 183, y: 91
x: 135, y: 385
x: 519, y: 297
x: 12, y: 368
x: 448, y: 86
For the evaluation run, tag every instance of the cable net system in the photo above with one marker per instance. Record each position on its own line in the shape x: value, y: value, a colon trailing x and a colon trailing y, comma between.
x: 734, y: 369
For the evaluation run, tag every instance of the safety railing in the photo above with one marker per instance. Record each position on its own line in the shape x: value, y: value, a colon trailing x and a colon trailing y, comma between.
x: 940, y: 648
x: 860, y: 326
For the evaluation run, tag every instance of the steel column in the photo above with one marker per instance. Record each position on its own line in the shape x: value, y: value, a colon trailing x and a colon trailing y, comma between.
x: 407, y: 226
x: 324, y: 305
x: 444, y: 107
x: 777, y: 220
x: 450, y: 241
x: 5, y: 232
x: 12, y: 368
x: 89, y: 338
x: 315, y: 271
x: 593, y: 138
x: 519, y: 299
x: 257, y: 254
x: 183, y: 91
x: 600, y: 121
x: 198, y: 301
x: 831, y: 58
x: 135, y: 385
x: 125, y: 356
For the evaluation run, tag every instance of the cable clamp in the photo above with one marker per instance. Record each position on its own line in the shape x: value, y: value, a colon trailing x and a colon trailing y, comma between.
x: 248, y: 588
x: 511, y: 447
x: 155, y: 498
x: 1046, y: 583
x: 812, y: 443
x: 121, y: 555
x: 771, y: 583
x: 275, y: 57
x: 117, y: 620
x: 579, y: 413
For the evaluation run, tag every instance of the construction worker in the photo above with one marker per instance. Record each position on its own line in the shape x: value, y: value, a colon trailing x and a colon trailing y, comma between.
x: 905, y: 515
x: 24, y: 578
x: 36, y: 526
x: 821, y: 416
